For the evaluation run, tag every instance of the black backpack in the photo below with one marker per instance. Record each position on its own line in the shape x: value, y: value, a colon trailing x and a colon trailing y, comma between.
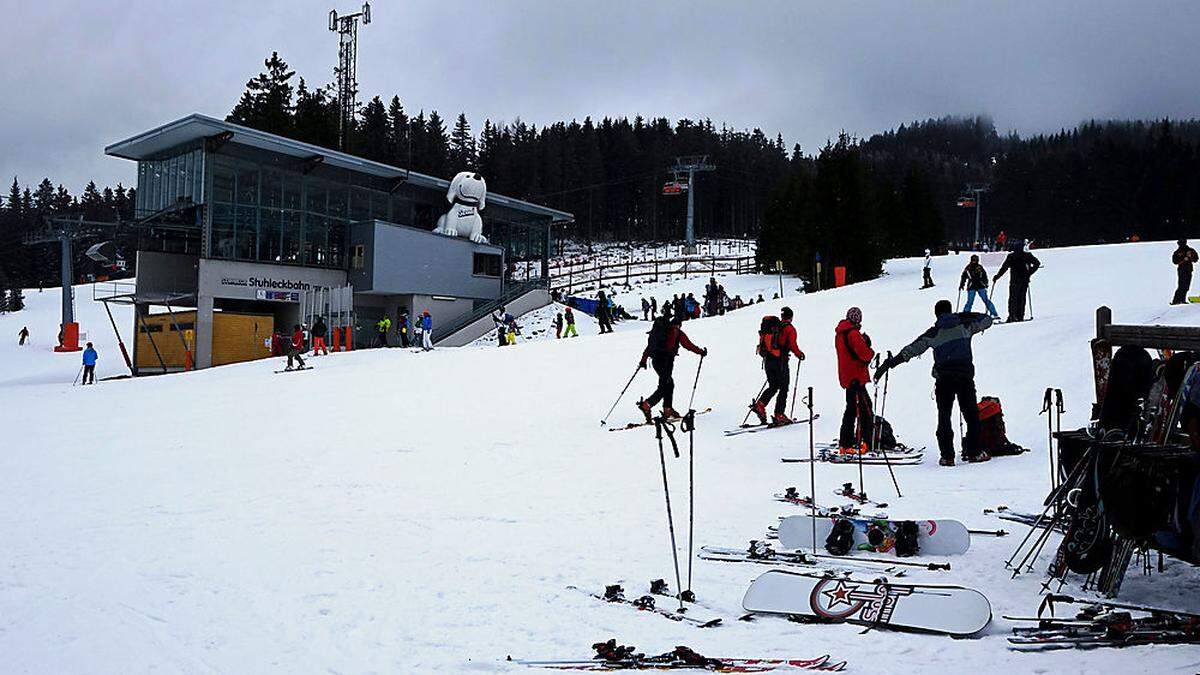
x: 768, y: 337
x: 659, y: 332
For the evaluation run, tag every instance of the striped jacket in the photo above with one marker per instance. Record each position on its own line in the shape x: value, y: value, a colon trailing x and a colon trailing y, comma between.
x: 950, y: 340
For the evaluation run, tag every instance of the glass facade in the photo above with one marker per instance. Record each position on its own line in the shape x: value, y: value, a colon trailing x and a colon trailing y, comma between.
x: 266, y: 214
x: 163, y: 182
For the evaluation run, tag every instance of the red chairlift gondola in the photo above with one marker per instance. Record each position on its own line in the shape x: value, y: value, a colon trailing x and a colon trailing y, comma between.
x: 675, y: 187
x: 966, y: 202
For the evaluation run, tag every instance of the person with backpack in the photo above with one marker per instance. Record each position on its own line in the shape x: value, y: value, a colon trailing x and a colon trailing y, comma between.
x: 953, y: 375
x: 1183, y: 258
x: 854, y: 354
x: 570, y: 331
x: 928, y: 270
x: 1023, y: 265
x: 603, y: 313
x: 319, y: 330
x: 662, y: 346
x: 975, y: 280
x: 776, y: 339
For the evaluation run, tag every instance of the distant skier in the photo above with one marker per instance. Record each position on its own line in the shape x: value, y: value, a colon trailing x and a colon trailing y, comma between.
x: 1023, y: 265
x: 500, y: 320
x: 296, y: 347
x: 402, y: 326
x: 928, y: 271
x: 89, y: 364
x: 383, y: 326
x: 511, y: 329
x: 23, y: 334
x: 953, y: 375
x: 653, y: 307
x: 854, y: 354
x: 645, y: 309
x: 776, y: 339
x: 975, y: 280
x: 677, y: 308
x: 1183, y: 258
x: 662, y: 346
x: 558, y: 326
x: 426, y: 331
x: 570, y: 331
x: 603, y: 313
x: 319, y: 330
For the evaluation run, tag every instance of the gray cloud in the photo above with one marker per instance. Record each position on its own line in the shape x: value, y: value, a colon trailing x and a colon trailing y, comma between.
x: 80, y: 75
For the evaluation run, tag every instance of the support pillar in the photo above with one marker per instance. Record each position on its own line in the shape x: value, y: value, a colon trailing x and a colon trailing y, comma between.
x: 204, y: 328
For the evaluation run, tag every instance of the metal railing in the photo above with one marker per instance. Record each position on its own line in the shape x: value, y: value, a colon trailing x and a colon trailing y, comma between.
x: 588, y: 276
x: 513, y: 291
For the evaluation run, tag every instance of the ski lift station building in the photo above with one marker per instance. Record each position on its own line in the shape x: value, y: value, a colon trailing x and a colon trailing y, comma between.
x: 243, y: 232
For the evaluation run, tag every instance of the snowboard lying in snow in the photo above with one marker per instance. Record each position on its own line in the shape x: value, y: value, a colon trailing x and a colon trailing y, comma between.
x: 934, y: 537
x: 953, y: 610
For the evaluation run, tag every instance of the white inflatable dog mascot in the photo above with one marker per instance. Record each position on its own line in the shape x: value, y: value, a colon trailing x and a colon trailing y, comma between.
x: 467, y: 196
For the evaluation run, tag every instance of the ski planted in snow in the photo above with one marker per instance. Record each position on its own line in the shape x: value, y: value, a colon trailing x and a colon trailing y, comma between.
x: 754, y: 428
x: 615, y: 594
x: 952, y: 610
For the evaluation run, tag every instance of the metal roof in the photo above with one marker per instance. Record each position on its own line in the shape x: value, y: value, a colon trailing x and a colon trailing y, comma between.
x: 195, y: 127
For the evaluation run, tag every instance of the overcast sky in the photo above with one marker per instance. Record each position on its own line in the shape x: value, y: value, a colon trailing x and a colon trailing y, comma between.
x: 77, y: 76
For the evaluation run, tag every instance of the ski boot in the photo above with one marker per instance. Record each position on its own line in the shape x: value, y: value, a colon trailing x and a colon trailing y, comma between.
x: 856, y: 449
x: 779, y: 420
x: 671, y: 414
x: 760, y: 409
x: 946, y: 461
x: 645, y: 408
x: 981, y: 457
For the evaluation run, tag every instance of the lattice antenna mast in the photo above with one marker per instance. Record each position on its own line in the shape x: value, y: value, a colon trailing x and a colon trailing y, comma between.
x: 346, y: 26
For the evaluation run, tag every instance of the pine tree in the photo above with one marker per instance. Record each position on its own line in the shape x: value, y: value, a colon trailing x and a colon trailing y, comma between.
x: 371, y: 140
x: 437, y: 146
x: 398, y: 138
x: 462, y: 146
x: 267, y: 102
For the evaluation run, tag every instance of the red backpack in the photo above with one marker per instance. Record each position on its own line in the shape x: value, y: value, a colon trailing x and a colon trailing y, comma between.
x: 768, y: 337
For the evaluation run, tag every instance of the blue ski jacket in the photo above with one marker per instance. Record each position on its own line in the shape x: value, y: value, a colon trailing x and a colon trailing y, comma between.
x: 950, y: 340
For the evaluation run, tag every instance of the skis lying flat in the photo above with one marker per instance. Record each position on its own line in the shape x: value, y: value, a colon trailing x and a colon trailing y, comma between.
x: 286, y: 370
x: 616, y: 595
x: 822, y: 664
x: 638, y: 425
x: 899, y: 449
x: 953, y: 610
x: 762, y: 553
x: 834, y: 457
x: 791, y: 497
x: 1100, y: 623
x: 754, y: 428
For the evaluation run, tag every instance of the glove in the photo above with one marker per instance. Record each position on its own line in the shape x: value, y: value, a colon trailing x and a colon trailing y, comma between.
x: 703, y: 352
x: 801, y: 357
x: 642, y: 364
x: 887, y: 365
x: 867, y: 339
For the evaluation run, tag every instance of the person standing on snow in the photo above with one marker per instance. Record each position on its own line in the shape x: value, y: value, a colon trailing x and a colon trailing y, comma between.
x: 854, y: 354
x: 928, y: 271
x: 500, y: 320
x: 89, y: 364
x: 653, y: 307
x: 383, y: 326
x: 570, y: 317
x: 23, y: 334
x: 953, y: 375
x: 776, y: 339
x: 558, y: 326
x: 318, y: 337
x: 975, y: 280
x: 426, y: 331
x: 1023, y: 265
x: 603, y: 313
x: 662, y: 346
x: 296, y: 347
x: 402, y: 327
x: 1183, y: 258
x: 645, y: 309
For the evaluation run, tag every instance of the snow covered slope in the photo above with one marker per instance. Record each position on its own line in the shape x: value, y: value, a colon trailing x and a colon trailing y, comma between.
x: 405, y: 512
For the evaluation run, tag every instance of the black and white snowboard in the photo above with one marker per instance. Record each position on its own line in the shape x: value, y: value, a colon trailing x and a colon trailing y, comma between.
x: 292, y: 370
x: 952, y: 610
x: 934, y: 537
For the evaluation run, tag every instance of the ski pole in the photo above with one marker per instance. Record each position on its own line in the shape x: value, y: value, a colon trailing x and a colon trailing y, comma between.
x: 760, y: 391
x: 958, y: 299
x: 1058, y: 413
x: 795, y: 388
x: 77, y: 376
x: 812, y: 470
x: 620, y: 396
x: 882, y: 407
x: 659, y: 422
x: 689, y: 423
x: 696, y: 383
x: 1029, y: 295
x: 1049, y: 432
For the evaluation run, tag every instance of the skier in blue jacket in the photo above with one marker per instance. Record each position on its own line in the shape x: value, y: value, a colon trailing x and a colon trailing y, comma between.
x: 426, y: 331
x: 89, y: 364
x: 953, y: 375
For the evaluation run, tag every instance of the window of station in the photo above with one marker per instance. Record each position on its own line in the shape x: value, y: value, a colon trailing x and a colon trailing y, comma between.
x: 162, y: 183
x: 486, y: 265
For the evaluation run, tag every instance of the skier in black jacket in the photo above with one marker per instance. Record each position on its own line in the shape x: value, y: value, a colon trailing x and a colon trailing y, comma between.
x: 662, y: 346
x: 975, y: 280
x: 1023, y: 265
x: 953, y: 375
x: 1183, y: 258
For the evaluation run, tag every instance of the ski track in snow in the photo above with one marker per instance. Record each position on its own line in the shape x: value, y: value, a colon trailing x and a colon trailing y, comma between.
x: 403, y: 513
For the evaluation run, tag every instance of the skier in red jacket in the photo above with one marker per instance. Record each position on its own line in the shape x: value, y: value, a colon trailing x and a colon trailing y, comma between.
x: 854, y: 353
x: 666, y: 337
x: 296, y: 347
x: 776, y: 339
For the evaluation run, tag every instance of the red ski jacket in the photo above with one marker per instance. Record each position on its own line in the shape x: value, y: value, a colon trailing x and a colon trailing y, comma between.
x: 853, y: 354
x: 676, y: 338
x: 298, y: 340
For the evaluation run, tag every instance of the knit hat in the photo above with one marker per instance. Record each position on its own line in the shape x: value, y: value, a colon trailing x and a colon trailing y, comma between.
x: 854, y: 316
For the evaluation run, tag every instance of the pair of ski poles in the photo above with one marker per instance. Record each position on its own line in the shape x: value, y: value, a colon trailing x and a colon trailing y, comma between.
x: 688, y: 425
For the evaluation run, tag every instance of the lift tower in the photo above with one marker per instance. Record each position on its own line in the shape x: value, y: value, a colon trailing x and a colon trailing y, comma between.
x: 690, y: 165
x: 346, y: 26
x: 64, y: 231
